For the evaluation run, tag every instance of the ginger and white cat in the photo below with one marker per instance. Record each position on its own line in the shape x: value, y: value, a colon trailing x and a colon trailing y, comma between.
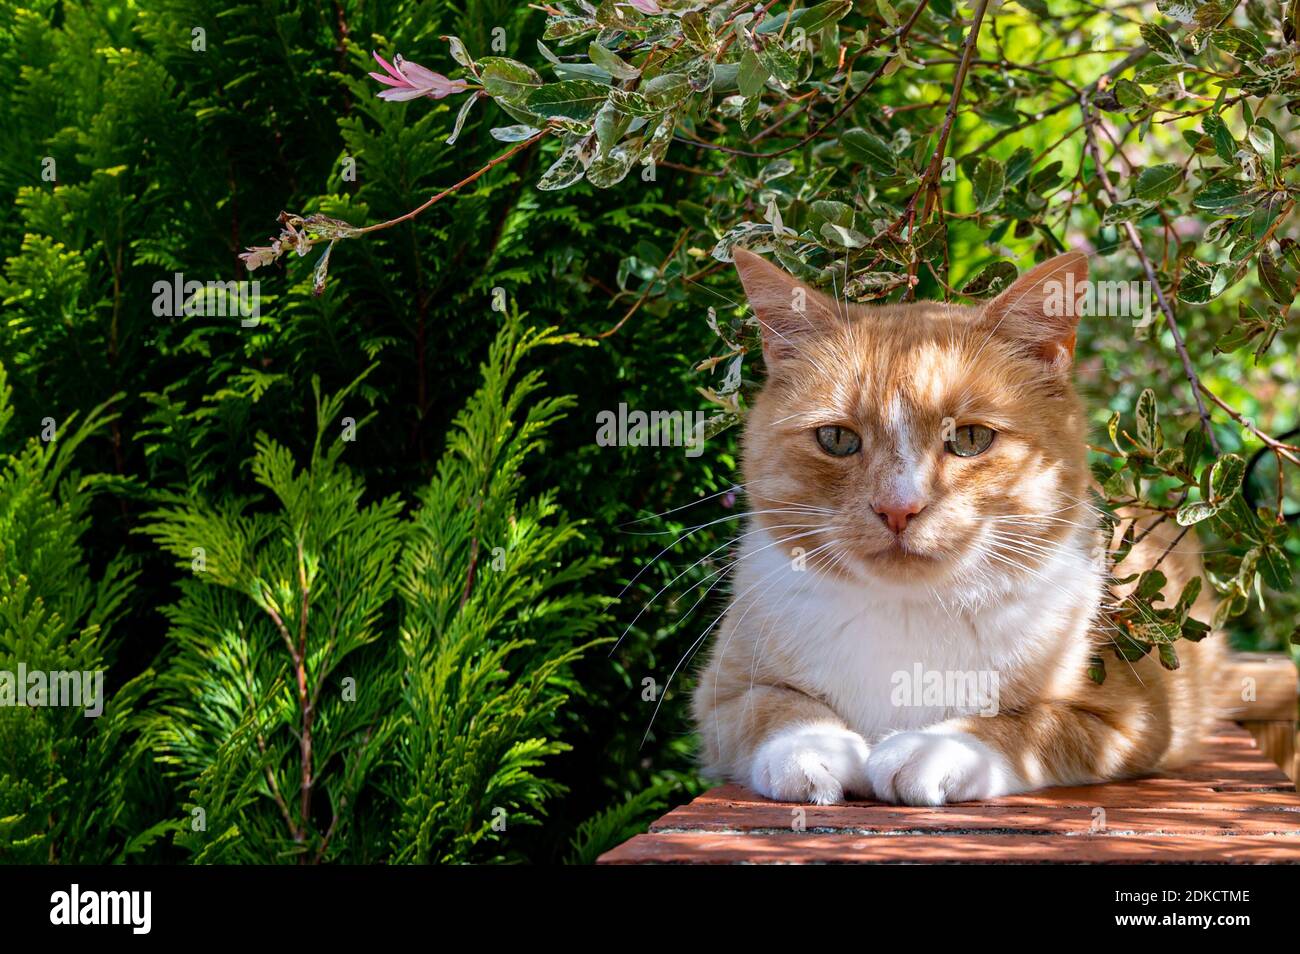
x: 920, y: 505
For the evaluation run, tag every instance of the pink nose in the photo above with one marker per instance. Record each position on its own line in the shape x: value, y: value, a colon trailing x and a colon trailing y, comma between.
x: 895, y: 515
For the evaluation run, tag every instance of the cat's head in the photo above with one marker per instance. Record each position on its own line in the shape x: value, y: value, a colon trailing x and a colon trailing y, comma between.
x: 914, y: 445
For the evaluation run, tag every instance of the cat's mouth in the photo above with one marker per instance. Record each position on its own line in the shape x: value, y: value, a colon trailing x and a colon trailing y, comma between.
x: 898, y: 552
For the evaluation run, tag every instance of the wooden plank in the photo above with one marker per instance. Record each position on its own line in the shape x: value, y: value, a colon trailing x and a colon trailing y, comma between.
x: 1233, y: 805
x: 1260, y: 687
x: 865, y: 818
x: 714, y: 848
x: 1276, y: 740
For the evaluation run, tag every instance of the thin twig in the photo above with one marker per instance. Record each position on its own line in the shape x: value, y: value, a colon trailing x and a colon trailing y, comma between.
x: 649, y: 286
x: 1135, y: 240
x: 450, y: 189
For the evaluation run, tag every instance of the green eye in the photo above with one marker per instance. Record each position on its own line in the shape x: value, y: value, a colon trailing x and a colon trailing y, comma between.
x: 838, y: 441
x: 970, y: 440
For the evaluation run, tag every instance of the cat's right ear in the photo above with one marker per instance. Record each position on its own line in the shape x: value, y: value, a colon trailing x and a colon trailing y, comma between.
x: 789, y: 312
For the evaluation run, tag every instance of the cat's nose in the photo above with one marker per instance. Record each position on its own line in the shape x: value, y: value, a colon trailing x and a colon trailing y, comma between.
x: 895, y: 514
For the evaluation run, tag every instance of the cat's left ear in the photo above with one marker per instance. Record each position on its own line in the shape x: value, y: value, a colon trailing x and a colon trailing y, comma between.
x: 789, y: 312
x: 1038, y: 312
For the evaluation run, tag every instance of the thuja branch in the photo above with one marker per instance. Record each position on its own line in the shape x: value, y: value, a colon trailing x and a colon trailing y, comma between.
x: 304, y: 700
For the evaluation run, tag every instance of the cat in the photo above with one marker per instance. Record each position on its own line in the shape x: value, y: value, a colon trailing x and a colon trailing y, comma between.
x: 920, y: 518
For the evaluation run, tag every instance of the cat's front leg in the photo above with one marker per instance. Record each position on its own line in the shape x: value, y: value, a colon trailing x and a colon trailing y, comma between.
x: 780, y: 742
x: 820, y: 762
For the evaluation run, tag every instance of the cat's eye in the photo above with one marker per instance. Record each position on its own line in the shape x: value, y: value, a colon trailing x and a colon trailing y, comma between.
x: 838, y: 441
x: 970, y: 440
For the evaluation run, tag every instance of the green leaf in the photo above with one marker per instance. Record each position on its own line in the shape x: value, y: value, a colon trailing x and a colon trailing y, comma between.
x: 567, y: 29
x: 1158, y: 181
x: 1126, y: 210
x: 609, y: 170
x: 1224, y: 145
x: 1262, y: 139
x: 1148, y: 426
x: 1191, y: 590
x: 1280, y: 285
x: 844, y: 237
x: 571, y: 99
x: 871, y: 149
x: 1112, y: 428
x: 1018, y: 166
x: 1194, y: 444
x: 1160, y: 42
x: 1224, y: 196
x: 1150, y: 584
x: 516, y: 133
x: 1097, y: 669
x: 1129, y: 95
x: 1201, y: 283
x: 666, y: 90
x: 988, y: 182
x: 564, y: 172
x: 611, y: 63
x: 823, y: 14
x: 1275, y: 568
x: 779, y: 63
x: 1225, y: 476
x: 1194, y: 512
x: 752, y: 76
x: 695, y: 30
x: 508, y: 80
x: 991, y: 280
x: 466, y: 106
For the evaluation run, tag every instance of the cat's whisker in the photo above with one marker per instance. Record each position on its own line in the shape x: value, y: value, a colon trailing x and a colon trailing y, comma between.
x: 792, y: 592
x: 1096, y: 624
x: 736, y: 489
x: 700, y: 639
x: 810, y: 532
x: 694, y: 530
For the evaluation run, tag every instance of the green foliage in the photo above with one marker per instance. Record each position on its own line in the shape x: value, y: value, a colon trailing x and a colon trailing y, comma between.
x: 167, y: 159
x: 491, y: 625
x: 65, y: 762
x: 274, y: 693
x: 848, y: 140
x: 286, y: 685
x: 618, y: 823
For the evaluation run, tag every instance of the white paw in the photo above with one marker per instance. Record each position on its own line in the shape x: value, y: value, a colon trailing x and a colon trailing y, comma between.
x: 811, y: 763
x: 924, y: 768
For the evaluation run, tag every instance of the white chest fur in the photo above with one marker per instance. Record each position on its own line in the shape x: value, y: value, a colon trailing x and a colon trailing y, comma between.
x: 886, y: 657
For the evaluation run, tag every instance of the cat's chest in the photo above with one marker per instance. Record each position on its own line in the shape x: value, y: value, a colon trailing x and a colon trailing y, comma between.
x: 886, y: 664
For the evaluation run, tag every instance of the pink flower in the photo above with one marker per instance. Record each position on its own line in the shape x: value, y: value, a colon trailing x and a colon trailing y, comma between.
x: 411, y: 80
x: 647, y: 6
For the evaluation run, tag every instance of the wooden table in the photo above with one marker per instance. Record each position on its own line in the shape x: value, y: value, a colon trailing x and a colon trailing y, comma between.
x: 1234, y: 806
